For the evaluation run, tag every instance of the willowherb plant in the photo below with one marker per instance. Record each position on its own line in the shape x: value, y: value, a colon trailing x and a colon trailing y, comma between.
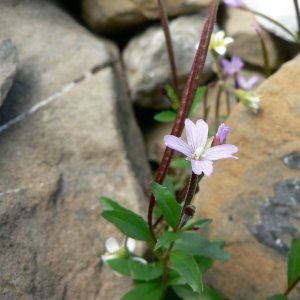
x: 181, y: 254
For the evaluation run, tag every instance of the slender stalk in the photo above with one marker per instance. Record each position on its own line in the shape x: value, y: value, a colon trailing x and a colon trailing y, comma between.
x: 295, y: 37
x: 298, y: 16
x: 165, y: 25
x: 292, y: 286
x: 217, y: 108
x: 188, y: 96
x: 228, y: 103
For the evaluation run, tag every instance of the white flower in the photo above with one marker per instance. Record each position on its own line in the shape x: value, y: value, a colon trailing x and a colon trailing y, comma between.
x: 219, y: 42
x: 249, y: 99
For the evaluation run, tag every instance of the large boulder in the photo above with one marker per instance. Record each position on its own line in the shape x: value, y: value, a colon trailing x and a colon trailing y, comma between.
x: 254, y: 201
x: 8, y: 63
x: 146, y: 60
x: 67, y: 137
x: 107, y: 15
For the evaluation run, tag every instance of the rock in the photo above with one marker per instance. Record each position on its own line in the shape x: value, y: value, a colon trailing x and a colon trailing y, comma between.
x: 147, y: 63
x: 247, y: 45
x: 237, y: 193
x: 67, y: 137
x: 8, y: 62
x: 282, y: 13
x: 105, y: 16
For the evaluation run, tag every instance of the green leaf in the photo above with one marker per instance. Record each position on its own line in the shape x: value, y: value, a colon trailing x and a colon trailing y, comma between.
x: 199, y: 94
x: 168, y: 204
x: 185, y: 292
x: 167, y: 238
x: 187, y: 268
x: 109, y: 204
x: 120, y: 265
x: 145, y: 291
x: 294, y: 262
x: 278, y: 297
x: 195, y: 244
x: 169, y: 185
x: 204, y: 263
x: 181, y: 163
x: 210, y: 294
x: 172, y: 95
x: 165, y: 116
x: 200, y: 223
x: 145, y: 272
x: 129, y: 223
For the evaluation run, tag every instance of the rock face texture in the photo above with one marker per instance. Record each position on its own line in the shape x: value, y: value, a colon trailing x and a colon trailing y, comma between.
x: 67, y: 137
x: 147, y: 64
x: 238, y: 193
x: 8, y: 63
x: 106, y: 15
x: 247, y: 45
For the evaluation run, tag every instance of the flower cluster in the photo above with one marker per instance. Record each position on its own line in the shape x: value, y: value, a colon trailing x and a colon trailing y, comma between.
x: 200, y: 150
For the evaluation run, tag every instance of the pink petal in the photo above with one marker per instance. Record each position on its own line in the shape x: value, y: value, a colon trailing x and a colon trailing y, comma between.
x: 199, y: 166
x: 177, y: 144
x: 220, y: 152
x: 202, y: 133
x: 191, y: 134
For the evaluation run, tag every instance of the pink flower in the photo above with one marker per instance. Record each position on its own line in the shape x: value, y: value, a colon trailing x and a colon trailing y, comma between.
x: 232, y: 67
x: 198, y: 148
x: 233, y: 3
x: 245, y: 84
x: 221, y: 135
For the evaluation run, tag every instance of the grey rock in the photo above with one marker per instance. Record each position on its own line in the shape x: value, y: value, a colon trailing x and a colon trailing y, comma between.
x: 8, y: 63
x: 147, y: 63
x: 283, y: 13
x: 67, y: 137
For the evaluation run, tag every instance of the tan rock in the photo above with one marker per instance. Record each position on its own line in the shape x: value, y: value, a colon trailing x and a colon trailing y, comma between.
x: 237, y: 192
x: 67, y: 137
x: 247, y: 45
x: 106, y: 15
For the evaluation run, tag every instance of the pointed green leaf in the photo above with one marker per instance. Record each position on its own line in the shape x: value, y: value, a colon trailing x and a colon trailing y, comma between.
x: 145, y: 291
x: 204, y: 263
x: 195, y: 244
x: 167, y: 238
x: 169, y: 185
x: 294, y: 262
x: 187, y: 268
x: 185, y: 292
x: 109, y: 204
x: 167, y: 203
x: 199, y: 94
x: 278, y: 297
x: 165, y: 116
x: 145, y: 272
x: 200, y: 223
x: 129, y: 223
x: 120, y: 265
x: 172, y: 95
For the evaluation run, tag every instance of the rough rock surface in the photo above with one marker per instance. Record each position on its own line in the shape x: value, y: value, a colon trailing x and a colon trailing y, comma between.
x: 8, y: 63
x: 67, y: 136
x: 236, y: 194
x: 106, y: 15
x: 247, y: 45
x: 147, y: 64
x: 283, y: 13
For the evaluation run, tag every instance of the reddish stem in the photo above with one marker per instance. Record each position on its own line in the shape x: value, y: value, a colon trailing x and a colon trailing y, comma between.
x: 188, y: 96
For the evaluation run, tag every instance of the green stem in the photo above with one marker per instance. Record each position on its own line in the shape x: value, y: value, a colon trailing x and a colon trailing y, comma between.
x: 217, y: 110
x: 273, y: 21
x: 228, y: 103
x: 266, y: 57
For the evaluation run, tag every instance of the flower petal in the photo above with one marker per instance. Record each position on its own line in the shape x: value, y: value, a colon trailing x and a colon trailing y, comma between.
x: 205, y: 166
x: 220, y: 152
x: 220, y: 49
x: 191, y: 134
x: 177, y: 144
x: 112, y: 245
x: 143, y: 261
x: 131, y: 244
x: 202, y: 133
